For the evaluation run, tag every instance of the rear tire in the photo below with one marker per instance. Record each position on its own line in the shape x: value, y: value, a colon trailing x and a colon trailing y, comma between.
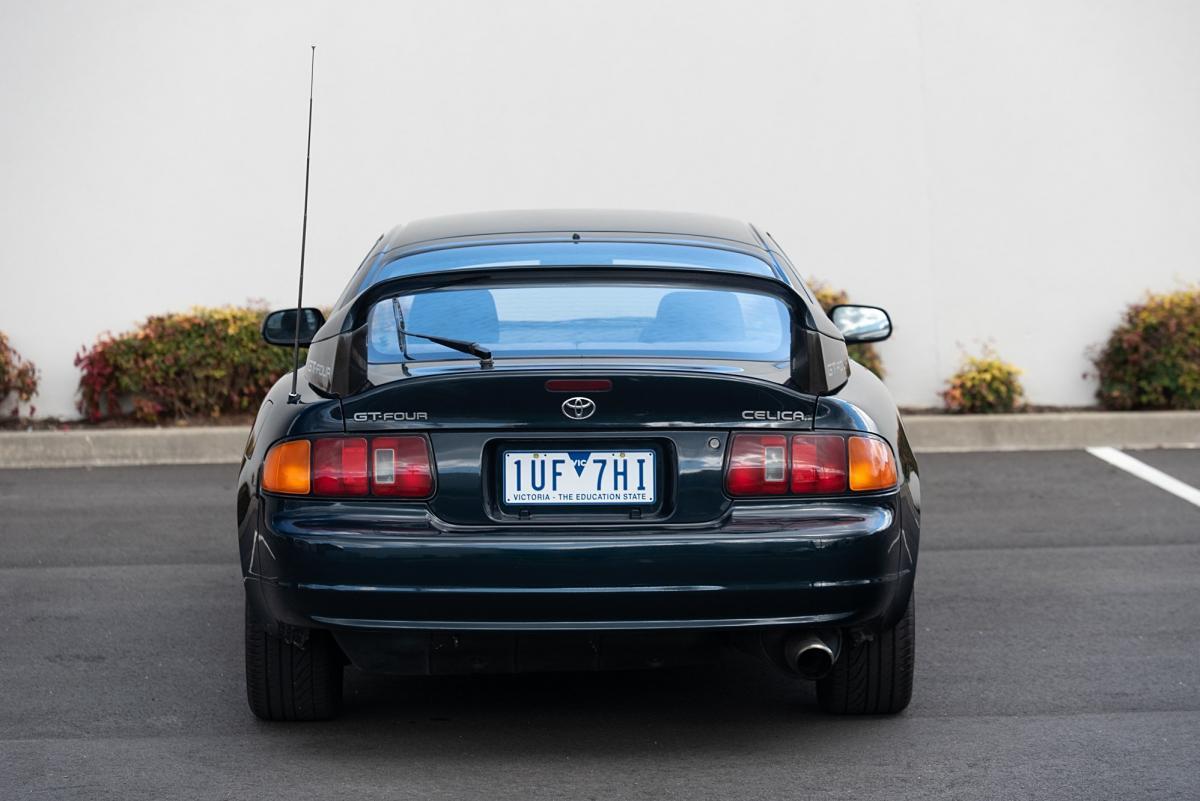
x: 873, y: 677
x: 285, y: 681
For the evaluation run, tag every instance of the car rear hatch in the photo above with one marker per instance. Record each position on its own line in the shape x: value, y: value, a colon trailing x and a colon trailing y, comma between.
x: 577, y: 395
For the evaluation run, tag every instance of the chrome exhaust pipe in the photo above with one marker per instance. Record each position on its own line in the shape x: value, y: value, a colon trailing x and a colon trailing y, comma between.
x: 809, y: 655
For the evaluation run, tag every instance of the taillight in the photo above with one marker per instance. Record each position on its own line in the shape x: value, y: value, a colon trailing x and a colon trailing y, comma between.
x: 340, y: 466
x: 818, y: 464
x: 872, y: 466
x: 397, y: 467
x: 400, y: 467
x: 757, y: 465
x: 286, y: 468
x: 807, y: 464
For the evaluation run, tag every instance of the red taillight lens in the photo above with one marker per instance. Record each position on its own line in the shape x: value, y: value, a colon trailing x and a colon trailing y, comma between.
x: 818, y: 464
x: 400, y: 466
x: 757, y: 465
x: 340, y: 466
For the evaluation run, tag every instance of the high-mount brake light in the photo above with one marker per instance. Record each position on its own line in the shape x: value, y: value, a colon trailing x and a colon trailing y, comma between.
x: 351, y: 467
x: 578, y: 385
x: 766, y: 465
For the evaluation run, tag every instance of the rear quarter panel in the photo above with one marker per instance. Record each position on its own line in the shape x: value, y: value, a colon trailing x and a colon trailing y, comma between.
x: 276, y: 420
x: 863, y: 403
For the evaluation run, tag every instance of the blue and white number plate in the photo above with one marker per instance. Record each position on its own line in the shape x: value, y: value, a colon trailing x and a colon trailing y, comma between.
x: 578, y: 477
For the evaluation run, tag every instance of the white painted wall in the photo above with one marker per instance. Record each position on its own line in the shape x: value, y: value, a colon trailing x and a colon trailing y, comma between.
x: 1011, y: 173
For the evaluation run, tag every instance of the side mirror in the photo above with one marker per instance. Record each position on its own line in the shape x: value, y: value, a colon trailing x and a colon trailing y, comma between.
x: 861, y: 323
x: 279, y: 327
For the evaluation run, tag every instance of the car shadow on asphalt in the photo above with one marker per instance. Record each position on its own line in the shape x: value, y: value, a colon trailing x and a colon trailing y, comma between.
x: 703, y: 708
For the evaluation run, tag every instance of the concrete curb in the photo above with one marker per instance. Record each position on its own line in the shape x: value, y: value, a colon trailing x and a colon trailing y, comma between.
x: 1053, y: 431
x: 932, y: 433
x: 123, y: 446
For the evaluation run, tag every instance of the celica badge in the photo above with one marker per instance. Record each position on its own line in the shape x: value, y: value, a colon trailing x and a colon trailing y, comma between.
x: 771, y: 414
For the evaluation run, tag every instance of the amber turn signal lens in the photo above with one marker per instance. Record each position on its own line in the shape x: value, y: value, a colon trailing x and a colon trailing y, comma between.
x: 287, y: 468
x: 872, y: 466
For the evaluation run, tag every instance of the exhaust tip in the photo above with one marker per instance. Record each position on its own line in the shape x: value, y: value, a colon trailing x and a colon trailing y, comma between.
x: 809, y: 655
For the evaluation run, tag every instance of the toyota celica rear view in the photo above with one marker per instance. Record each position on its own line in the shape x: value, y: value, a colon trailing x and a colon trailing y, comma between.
x: 531, y: 441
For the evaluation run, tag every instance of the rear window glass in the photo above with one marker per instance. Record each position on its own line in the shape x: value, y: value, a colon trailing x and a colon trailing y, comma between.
x: 569, y: 254
x: 584, y: 319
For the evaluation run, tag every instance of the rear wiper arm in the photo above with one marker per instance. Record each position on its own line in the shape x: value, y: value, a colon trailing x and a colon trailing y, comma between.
x: 461, y: 345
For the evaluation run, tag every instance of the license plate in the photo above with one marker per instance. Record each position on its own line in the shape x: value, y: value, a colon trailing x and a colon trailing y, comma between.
x: 578, y: 477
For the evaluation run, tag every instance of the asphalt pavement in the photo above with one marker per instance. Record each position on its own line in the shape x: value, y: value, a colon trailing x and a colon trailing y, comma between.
x: 1058, y: 656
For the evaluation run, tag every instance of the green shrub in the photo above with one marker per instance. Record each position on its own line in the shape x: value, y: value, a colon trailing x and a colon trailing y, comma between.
x: 206, y: 362
x: 863, y: 353
x: 18, y: 377
x: 1152, y: 359
x: 984, y: 385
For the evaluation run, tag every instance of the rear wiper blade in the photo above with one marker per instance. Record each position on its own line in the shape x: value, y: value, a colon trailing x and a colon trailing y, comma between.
x: 461, y: 345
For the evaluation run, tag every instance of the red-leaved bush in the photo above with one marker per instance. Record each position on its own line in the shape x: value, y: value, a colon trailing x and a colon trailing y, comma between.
x: 1152, y: 359
x: 206, y: 362
x: 18, y: 377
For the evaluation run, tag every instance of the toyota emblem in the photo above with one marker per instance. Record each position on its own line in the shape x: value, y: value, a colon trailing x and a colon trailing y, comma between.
x: 579, y: 408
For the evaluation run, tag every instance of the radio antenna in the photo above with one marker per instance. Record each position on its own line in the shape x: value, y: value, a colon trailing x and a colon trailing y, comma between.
x: 294, y: 397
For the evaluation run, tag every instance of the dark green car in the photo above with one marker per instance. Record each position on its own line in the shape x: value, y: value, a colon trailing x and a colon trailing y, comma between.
x: 577, y: 440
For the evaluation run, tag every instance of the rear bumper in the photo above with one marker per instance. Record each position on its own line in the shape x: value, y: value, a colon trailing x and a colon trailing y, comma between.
x: 834, y: 565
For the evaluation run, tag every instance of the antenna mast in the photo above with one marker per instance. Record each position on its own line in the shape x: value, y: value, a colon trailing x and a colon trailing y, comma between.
x: 294, y: 397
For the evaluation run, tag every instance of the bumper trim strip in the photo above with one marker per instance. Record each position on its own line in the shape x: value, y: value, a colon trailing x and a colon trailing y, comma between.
x: 580, y: 625
x: 621, y: 590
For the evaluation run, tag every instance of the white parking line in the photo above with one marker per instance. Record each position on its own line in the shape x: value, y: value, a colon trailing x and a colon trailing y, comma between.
x: 1147, y: 473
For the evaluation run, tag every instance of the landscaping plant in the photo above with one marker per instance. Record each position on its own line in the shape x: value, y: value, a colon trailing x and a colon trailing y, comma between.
x: 205, y: 362
x: 863, y: 353
x: 1152, y: 359
x: 984, y: 385
x: 18, y: 377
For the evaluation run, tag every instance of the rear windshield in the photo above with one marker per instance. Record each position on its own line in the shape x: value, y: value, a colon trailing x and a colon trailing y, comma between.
x: 583, y: 319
